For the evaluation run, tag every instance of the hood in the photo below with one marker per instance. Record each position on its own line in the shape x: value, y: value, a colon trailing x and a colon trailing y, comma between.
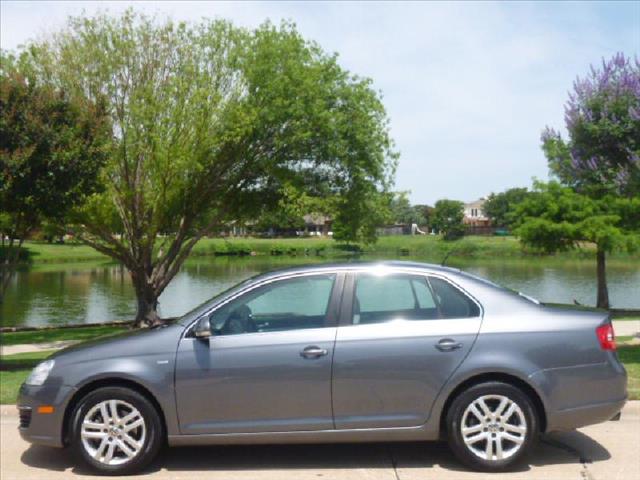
x: 161, y: 339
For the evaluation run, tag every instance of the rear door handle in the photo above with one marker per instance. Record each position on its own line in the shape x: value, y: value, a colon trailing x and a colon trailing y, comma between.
x: 448, y: 345
x: 313, y: 352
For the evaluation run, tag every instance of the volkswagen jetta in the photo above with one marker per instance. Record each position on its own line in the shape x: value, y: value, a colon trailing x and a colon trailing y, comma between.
x: 335, y: 353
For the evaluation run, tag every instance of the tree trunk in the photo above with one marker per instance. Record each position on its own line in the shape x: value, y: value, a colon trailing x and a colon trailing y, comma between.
x: 147, y: 312
x: 149, y: 277
x: 10, y: 262
x: 603, y: 292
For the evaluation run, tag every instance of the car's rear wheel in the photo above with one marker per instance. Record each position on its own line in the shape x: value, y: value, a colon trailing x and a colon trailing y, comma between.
x: 116, y: 431
x: 492, y: 426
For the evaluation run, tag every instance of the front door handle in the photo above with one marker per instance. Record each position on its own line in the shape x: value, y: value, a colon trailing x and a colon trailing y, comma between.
x: 313, y: 352
x: 448, y: 345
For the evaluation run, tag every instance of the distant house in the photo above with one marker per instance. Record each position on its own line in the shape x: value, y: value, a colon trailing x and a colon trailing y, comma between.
x: 474, y: 214
x: 317, y: 224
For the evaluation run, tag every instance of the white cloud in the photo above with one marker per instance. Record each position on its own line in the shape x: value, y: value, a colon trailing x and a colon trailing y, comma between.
x: 468, y: 86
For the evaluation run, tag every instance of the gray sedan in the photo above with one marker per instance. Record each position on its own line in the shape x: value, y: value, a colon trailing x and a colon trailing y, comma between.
x: 336, y: 353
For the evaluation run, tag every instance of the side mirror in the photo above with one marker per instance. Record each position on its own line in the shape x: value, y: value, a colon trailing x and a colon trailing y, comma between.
x: 203, y: 328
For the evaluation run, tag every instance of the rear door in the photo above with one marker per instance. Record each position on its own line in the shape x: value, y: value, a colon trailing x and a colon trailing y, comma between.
x: 401, y: 336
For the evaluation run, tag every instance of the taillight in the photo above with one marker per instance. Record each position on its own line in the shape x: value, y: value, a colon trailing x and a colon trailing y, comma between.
x: 606, y: 337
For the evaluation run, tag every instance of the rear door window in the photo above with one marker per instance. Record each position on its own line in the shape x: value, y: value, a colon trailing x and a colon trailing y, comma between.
x: 383, y: 298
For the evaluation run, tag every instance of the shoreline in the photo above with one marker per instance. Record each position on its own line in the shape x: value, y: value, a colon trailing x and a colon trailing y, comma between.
x: 427, y: 246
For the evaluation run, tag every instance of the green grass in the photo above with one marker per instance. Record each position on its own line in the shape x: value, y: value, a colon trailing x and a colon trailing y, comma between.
x: 623, y: 316
x: 630, y: 357
x: 428, y: 247
x: 55, y: 334
x: 43, y: 252
x: 22, y: 361
x: 14, y: 369
x: 10, y: 384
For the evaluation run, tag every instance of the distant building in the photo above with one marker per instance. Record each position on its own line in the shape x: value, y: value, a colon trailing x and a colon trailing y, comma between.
x: 316, y: 224
x: 474, y: 214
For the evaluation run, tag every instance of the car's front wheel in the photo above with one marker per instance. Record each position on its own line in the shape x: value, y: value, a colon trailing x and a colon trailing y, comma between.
x: 116, y: 431
x: 492, y: 426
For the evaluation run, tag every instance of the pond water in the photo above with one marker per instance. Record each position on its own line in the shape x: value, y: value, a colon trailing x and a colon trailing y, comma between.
x: 92, y: 293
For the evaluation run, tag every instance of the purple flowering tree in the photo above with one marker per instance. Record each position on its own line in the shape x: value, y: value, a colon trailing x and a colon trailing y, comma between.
x: 598, y: 165
x: 602, y: 118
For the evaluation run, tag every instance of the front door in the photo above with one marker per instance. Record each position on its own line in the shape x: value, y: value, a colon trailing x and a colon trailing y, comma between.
x: 403, y: 337
x: 267, y: 368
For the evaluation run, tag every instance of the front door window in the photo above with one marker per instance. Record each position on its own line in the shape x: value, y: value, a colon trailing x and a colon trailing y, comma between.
x: 291, y: 304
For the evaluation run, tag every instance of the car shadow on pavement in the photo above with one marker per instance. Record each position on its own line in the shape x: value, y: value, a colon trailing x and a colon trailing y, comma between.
x: 558, y: 448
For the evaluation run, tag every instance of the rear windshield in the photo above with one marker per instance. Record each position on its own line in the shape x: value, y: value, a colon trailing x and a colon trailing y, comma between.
x: 525, y: 296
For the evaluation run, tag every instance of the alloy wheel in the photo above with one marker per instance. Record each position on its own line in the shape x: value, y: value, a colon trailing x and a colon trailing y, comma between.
x: 113, y: 432
x: 493, y: 427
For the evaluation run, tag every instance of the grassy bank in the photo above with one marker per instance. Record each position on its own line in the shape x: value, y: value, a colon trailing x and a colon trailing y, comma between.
x: 43, y: 252
x: 630, y: 357
x: 14, y: 369
x: 428, y: 247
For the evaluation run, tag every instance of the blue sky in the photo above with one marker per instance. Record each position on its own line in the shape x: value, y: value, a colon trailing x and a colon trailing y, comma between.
x: 468, y: 86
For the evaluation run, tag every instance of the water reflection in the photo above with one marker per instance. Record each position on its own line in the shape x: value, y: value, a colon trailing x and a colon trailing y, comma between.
x: 97, y: 293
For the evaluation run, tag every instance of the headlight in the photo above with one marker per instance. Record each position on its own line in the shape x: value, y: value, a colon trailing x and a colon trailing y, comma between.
x: 40, y: 373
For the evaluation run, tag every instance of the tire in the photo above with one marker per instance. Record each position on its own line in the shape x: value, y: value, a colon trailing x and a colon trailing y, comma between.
x: 116, y: 445
x: 496, y: 438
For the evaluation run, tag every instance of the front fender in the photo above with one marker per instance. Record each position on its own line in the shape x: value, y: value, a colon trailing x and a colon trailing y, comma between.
x: 153, y: 372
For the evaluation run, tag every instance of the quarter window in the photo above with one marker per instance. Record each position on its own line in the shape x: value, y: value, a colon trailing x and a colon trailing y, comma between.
x: 451, y: 301
x: 291, y: 304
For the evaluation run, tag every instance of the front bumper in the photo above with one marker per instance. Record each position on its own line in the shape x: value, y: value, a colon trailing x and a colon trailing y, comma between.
x: 43, y: 428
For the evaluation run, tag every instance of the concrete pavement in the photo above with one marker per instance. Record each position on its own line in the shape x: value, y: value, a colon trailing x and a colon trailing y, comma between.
x: 608, y: 451
x: 626, y: 327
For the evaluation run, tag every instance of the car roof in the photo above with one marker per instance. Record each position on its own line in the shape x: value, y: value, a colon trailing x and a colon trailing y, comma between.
x: 358, y: 265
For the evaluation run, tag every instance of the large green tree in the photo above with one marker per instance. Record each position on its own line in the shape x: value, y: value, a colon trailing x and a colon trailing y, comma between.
x: 51, y: 150
x: 288, y: 213
x: 359, y: 213
x: 403, y: 212
x: 447, y: 218
x: 499, y: 206
x: 210, y: 122
x: 555, y: 218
